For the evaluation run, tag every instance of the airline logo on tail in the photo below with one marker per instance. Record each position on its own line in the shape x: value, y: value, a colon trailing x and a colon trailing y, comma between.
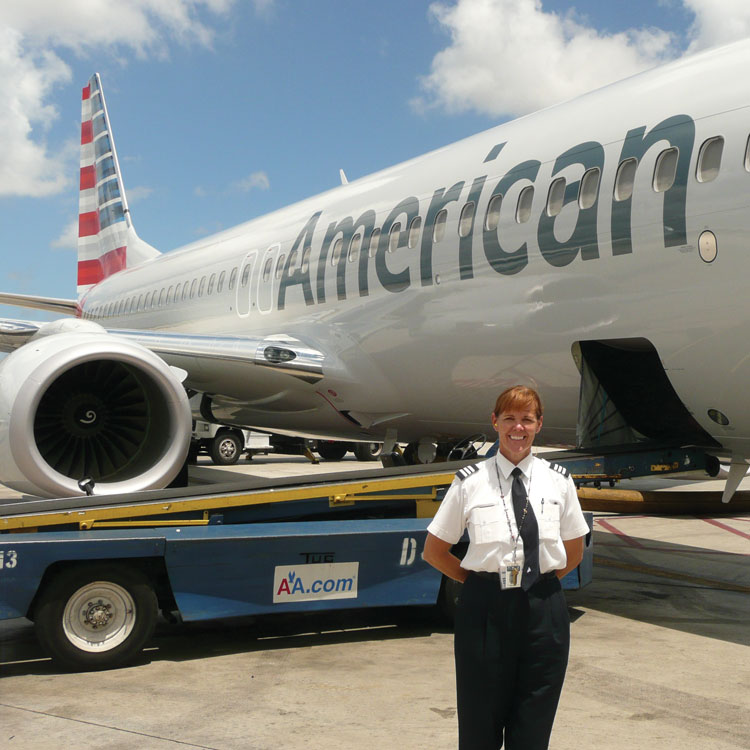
x: 102, y: 212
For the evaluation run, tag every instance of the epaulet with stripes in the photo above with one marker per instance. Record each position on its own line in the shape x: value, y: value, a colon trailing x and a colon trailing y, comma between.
x: 560, y: 469
x: 467, y: 471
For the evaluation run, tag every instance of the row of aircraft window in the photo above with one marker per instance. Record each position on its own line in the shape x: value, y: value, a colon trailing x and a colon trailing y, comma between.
x: 665, y: 169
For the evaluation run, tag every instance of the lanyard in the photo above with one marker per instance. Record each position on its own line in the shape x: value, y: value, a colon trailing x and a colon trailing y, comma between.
x: 515, y: 538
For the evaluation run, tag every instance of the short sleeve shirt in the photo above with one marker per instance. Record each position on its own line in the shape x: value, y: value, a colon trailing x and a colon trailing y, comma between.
x: 479, y: 499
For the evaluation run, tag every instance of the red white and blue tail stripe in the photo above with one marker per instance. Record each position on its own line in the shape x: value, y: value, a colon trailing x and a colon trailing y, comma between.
x: 107, y: 242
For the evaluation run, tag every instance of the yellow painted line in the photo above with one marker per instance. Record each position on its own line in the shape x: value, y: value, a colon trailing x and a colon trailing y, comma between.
x: 671, y: 574
x: 208, y: 502
x: 142, y: 524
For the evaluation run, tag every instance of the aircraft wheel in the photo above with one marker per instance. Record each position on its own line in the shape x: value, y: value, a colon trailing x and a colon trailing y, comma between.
x: 367, y: 451
x: 225, y: 449
x: 96, y: 618
x: 411, y: 454
x: 332, y: 451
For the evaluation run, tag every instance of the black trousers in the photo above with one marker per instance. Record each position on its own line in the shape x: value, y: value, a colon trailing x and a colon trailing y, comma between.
x: 511, y: 651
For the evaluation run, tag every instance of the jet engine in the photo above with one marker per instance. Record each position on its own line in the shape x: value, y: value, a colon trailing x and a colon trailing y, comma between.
x: 84, y: 404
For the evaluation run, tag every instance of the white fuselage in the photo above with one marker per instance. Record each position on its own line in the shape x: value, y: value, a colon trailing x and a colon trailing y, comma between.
x: 421, y: 340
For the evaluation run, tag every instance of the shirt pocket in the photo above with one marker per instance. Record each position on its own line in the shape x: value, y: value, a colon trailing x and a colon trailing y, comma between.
x: 486, y: 524
x: 549, y: 522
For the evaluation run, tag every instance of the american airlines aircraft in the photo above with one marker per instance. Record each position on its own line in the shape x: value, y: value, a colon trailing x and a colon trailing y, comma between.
x: 596, y: 249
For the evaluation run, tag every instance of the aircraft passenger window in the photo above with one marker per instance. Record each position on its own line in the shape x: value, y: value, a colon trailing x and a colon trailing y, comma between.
x: 665, y: 170
x: 354, y: 247
x: 170, y: 292
x: 556, y: 196
x: 414, y: 227
x: 202, y: 287
x: 185, y: 290
x: 394, y: 236
x: 193, y: 284
x: 438, y: 231
x: 177, y: 289
x: 523, y: 210
x: 709, y: 159
x: 292, y: 259
x: 211, y: 281
x: 305, y: 260
x: 147, y: 303
x: 625, y: 179
x: 161, y: 297
x: 492, y: 219
x: 374, y: 239
x: 589, y: 188
x: 245, y: 275
x: 232, y: 278
x: 466, y: 221
x: 267, y: 269
x: 220, y: 284
x: 140, y: 302
x: 336, y: 253
x: 280, y: 265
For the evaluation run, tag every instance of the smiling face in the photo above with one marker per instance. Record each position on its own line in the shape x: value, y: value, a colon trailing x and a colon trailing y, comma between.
x: 516, y: 429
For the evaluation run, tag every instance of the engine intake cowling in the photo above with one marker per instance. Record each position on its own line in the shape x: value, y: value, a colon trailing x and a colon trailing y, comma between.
x: 85, y: 404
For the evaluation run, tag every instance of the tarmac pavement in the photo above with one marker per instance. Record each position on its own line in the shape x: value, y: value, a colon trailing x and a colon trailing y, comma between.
x: 660, y: 659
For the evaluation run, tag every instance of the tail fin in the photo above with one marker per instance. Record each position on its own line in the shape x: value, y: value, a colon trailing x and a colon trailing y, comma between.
x: 107, y: 242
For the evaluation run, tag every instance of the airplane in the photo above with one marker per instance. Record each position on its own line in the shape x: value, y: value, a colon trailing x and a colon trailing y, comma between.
x: 595, y: 250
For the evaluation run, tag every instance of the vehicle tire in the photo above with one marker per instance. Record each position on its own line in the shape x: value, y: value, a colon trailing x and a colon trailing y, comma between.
x: 225, y: 449
x: 367, y: 451
x: 332, y: 451
x: 96, y: 617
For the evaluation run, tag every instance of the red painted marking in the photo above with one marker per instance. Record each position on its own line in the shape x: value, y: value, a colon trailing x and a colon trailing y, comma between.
x: 93, y: 271
x: 89, y: 272
x: 88, y: 177
x: 87, y: 132
x: 113, y: 261
x: 680, y: 550
x: 726, y: 527
x: 88, y: 224
x: 620, y: 534
x: 86, y: 93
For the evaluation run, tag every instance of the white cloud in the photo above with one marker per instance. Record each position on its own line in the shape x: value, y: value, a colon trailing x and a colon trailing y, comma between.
x: 717, y: 23
x: 510, y: 57
x: 138, y: 193
x: 257, y: 180
x: 33, y: 36
x: 68, y: 238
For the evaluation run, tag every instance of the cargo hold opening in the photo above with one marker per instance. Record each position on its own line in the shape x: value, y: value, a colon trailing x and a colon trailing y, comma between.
x: 626, y: 398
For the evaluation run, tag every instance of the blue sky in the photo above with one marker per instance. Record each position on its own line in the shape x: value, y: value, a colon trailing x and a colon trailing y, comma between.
x: 223, y: 110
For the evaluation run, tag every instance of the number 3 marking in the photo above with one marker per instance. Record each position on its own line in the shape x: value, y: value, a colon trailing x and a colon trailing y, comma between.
x: 8, y: 558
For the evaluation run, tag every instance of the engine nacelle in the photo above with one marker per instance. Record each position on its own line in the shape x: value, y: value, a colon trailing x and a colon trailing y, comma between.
x: 85, y: 404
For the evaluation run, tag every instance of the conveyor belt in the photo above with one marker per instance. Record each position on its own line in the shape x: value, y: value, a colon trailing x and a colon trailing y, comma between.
x: 406, y: 482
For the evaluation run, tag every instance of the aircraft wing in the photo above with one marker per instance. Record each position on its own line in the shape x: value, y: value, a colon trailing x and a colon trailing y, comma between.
x: 15, y: 333
x: 281, y: 353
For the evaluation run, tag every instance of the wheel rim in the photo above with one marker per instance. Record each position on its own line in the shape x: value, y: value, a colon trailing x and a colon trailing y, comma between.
x: 99, y: 616
x: 227, y: 448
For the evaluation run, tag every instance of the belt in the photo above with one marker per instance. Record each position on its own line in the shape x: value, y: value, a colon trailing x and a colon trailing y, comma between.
x: 495, y: 577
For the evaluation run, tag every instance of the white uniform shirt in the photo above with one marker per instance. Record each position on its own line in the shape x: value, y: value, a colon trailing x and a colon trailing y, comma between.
x: 476, y: 501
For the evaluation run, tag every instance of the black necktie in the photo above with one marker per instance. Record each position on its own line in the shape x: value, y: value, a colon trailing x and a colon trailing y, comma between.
x: 527, y: 528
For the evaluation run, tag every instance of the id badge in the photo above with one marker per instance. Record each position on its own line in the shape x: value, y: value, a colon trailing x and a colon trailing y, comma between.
x: 510, y: 576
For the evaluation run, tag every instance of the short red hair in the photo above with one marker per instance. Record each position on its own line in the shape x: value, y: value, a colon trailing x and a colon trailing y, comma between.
x: 519, y: 397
